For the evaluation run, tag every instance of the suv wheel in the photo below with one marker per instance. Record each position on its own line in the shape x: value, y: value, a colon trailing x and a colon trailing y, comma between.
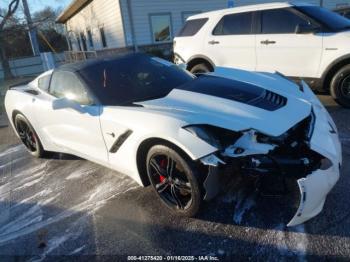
x: 340, y: 86
x: 200, y: 69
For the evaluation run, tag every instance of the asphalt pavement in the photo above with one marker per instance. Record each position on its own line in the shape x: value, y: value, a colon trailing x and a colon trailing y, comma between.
x: 64, y: 205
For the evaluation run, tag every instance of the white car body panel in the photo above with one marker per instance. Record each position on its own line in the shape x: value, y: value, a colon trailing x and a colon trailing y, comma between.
x: 230, y: 114
x: 292, y: 54
x: 92, y: 134
x: 146, y: 124
x: 335, y: 46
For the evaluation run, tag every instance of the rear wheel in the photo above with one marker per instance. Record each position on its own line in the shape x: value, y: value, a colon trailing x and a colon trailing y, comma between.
x: 174, y: 179
x: 28, y: 136
x: 340, y: 86
x: 200, y: 69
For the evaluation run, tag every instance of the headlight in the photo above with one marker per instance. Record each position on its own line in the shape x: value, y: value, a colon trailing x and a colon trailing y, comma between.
x: 203, y: 134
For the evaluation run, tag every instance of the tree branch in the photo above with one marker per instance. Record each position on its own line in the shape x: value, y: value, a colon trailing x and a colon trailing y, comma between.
x: 13, y: 5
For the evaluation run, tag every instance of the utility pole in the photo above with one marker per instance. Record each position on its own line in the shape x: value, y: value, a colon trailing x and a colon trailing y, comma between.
x: 32, y: 30
x: 321, y: 3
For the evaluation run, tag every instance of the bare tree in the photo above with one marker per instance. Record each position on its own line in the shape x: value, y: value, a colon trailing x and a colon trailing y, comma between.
x: 5, y: 16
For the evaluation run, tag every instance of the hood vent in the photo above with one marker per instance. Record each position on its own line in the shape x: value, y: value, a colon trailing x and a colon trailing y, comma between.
x: 270, y: 101
x: 275, y: 99
x: 235, y: 90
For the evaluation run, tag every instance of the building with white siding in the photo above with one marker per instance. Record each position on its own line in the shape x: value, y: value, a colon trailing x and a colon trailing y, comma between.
x: 97, y: 25
x: 111, y: 24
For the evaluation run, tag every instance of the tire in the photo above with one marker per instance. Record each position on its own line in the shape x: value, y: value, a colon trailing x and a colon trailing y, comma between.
x: 179, y: 179
x: 30, y: 139
x: 340, y: 87
x: 200, y: 69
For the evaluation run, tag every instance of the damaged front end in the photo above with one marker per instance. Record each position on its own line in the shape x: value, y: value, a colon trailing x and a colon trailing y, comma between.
x: 308, y: 153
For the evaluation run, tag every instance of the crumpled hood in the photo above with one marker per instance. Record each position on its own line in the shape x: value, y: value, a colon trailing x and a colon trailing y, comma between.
x: 197, y: 108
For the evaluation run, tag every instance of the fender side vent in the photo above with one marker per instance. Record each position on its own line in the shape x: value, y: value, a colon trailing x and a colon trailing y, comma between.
x: 120, y: 140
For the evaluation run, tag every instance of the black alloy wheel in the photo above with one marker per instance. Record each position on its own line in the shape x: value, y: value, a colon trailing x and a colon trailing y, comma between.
x: 174, y: 180
x: 28, y: 136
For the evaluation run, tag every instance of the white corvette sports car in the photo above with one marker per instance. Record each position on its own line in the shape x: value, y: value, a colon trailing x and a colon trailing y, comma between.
x: 182, y: 134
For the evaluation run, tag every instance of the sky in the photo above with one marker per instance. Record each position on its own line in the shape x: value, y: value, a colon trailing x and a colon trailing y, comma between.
x: 37, y: 5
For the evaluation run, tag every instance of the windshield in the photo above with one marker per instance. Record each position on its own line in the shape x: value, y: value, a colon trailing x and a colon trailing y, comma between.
x: 133, y: 78
x: 332, y: 20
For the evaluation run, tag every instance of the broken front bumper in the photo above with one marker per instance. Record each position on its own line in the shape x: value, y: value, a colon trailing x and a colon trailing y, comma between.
x: 315, y: 187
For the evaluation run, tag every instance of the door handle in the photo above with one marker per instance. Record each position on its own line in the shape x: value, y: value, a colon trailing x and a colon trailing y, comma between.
x: 111, y: 134
x: 213, y: 42
x: 267, y: 42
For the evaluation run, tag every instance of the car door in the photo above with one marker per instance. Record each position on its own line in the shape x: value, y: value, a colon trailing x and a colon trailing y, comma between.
x: 280, y: 48
x: 73, y: 123
x: 231, y: 43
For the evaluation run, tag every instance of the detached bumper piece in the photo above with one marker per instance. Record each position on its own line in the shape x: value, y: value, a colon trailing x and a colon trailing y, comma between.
x: 313, y: 192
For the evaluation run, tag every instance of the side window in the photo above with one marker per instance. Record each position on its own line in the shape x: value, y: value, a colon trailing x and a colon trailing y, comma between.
x: 66, y: 84
x: 192, y: 27
x: 280, y: 21
x: 235, y: 24
x: 44, y: 82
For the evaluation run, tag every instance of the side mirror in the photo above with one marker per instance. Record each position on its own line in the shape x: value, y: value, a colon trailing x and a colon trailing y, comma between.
x: 64, y: 103
x: 306, y: 28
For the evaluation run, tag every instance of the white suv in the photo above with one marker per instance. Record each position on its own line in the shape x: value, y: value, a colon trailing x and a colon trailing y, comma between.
x: 297, y: 40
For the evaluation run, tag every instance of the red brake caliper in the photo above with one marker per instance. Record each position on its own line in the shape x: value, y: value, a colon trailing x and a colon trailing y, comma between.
x: 162, y: 165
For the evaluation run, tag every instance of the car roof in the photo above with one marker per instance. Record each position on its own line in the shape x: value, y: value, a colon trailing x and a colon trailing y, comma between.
x: 79, y: 66
x: 246, y: 8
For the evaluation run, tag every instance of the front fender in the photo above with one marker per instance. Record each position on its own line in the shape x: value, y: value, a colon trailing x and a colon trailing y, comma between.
x: 193, y: 146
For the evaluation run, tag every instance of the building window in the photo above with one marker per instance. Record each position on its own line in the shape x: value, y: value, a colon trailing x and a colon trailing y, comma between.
x: 83, y: 41
x: 161, y: 27
x: 70, y: 44
x: 187, y: 14
x: 79, y: 44
x: 103, y: 37
x: 91, y: 42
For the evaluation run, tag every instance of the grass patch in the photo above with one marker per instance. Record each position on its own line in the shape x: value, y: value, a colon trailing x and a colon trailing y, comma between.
x: 4, y: 86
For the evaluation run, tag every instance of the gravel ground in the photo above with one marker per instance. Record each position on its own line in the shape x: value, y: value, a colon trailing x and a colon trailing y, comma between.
x: 69, y: 206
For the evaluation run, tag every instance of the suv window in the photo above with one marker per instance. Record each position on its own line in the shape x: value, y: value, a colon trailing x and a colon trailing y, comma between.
x: 44, y: 82
x: 235, y: 24
x: 326, y: 17
x: 192, y: 27
x: 66, y: 84
x: 280, y: 21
